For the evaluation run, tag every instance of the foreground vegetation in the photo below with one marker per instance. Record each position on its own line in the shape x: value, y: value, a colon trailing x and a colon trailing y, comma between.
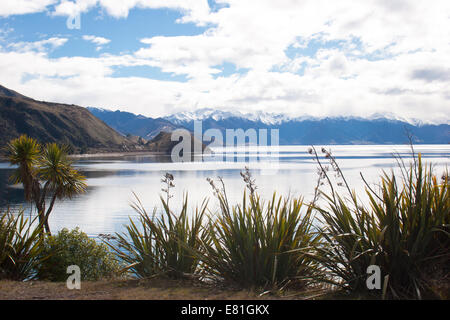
x: 405, y: 231
x: 270, y: 247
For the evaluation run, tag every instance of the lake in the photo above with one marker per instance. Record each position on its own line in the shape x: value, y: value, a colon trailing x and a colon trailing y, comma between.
x: 105, y: 207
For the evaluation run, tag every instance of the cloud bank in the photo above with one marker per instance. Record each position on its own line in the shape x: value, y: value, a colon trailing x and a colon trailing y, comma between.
x: 317, y: 58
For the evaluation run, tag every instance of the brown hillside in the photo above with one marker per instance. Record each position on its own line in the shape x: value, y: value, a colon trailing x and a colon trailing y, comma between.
x: 61, y: 123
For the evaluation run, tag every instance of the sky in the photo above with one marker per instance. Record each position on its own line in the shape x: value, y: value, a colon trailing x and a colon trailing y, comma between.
x: 320, y: 58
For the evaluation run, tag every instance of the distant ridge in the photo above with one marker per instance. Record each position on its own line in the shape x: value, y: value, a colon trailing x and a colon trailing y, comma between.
x: 292, y: 130
x: 137, y: 125
x: 328, y: 130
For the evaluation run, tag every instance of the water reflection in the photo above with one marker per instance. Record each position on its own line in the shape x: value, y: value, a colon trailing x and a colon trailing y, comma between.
x: 9, y: 195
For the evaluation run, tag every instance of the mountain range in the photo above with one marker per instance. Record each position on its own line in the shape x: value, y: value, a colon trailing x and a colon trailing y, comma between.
x: 93, y: 130
x: 292, y: 130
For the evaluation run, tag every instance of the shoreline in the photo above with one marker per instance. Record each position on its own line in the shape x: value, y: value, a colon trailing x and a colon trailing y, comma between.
x: 117, y: 154
x: 4, y: 158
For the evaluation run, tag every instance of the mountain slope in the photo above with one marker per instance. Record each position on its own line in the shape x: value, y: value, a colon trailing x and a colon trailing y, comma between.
x: 53, y: 122
x: 10, y: 93
x: 129, y: 123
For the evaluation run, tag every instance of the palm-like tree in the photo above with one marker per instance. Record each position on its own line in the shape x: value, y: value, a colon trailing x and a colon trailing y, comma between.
x: 45, y: 172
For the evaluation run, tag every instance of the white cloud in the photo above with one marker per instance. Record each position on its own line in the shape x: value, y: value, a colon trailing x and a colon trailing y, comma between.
x: 72, y: 8
x: 196, y: 10
x: 388, y: 56
x: 15, y: 7
x: 98, y: 41
x: 255, y: 34
x: 40, y: 46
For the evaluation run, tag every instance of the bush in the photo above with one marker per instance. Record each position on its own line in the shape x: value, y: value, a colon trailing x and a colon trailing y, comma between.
x: 257, y: 245
x: 405, y: 231
x: 20, y: 247
x: 76, y: 248
x: 164, y: 245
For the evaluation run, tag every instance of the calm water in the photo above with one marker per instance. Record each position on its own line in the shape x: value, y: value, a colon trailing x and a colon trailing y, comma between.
x: 105, y: 208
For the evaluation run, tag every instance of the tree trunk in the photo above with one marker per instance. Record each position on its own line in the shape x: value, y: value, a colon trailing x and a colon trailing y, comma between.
x: 50, y: 208
x: 40, y: 205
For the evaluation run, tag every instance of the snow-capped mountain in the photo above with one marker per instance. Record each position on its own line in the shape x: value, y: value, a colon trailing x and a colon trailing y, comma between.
x: 218, y: 115
x: 378, y: 129
x: 273, y: 118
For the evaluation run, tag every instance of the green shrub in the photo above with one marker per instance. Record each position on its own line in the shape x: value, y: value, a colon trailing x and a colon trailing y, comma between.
x: 257, y: 245
x: 76, y: 248
x: 405, y: 231
x: 163, y: 245
x: 20, y: 247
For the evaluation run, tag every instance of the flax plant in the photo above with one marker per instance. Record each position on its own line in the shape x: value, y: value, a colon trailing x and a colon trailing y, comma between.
x: 404, y: 230
x: 256, y: 245
x: 162, y: 245
x: 20, y: 247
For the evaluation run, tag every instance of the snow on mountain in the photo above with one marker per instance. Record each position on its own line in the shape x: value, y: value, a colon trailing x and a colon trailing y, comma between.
x: 377, y: 129
x: 273, y: 118
x: 217, y: 115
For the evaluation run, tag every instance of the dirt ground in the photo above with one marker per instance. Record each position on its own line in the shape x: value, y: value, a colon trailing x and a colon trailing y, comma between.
x: 156, y: 289
x: 165, y: 289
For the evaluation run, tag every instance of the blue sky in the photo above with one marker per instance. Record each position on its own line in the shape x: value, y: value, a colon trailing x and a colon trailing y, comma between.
x: 124, y: 34
x: 157, y: 57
